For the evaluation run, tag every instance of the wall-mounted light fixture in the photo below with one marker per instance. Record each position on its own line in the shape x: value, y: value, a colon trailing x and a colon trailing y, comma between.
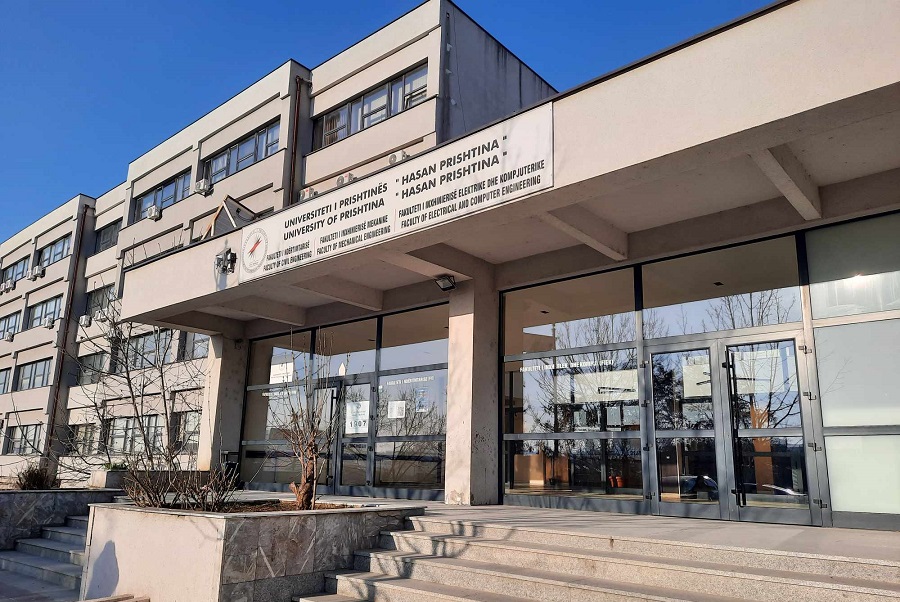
x: 226, y: 261
x: 446, y: 282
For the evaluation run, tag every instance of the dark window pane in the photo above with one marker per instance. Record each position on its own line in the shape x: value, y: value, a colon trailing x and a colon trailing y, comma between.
x: 687, y: 470
x: 409, y: 464
x: 682, y: 390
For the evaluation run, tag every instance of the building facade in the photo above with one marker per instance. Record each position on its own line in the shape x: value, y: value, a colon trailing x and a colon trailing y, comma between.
x: 672, y: 290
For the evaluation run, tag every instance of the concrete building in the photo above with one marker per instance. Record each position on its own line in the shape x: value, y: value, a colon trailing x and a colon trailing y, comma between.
x: 672, y: 290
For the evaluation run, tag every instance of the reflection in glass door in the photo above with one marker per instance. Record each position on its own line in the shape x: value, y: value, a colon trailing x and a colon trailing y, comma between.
x: 686, y: 463
x: 730, y: 431
x: 354, y: 444
x: 767, y: 432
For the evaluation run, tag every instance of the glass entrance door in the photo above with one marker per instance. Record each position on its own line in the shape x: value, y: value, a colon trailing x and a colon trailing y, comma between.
x: 354, y: 448
x: 732, y: 433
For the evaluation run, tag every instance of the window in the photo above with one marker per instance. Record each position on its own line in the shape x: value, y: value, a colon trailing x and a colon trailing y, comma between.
x: 82, y: 439
x: 186, y: 436
x: 22, y: 440
x: 245, y: 153
x: 130, y: 434
x: 107, y: 237
x: 372, y: 107
x: 145, y: 350
x: 194, y: 346
x: 90, y: 368
x: 98, y: 300
x: 168, y: 193
x: 9, y: 324
x: 16, y: 271
x: 54, y: 252
x: 4, y: 380
x: 38, y: 312
x: 33, y: 375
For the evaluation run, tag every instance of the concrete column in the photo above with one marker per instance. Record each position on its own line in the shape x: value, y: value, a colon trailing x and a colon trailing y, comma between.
x: 223, y: 404
x: 473, y: 444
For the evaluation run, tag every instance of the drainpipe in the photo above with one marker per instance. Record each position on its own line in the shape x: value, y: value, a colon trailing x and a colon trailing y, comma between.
x: 64, y: 341
x: 296, y: 127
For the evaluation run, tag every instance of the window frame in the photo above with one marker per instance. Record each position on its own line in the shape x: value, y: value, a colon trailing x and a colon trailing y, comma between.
x: 104, y: 294
x: 407, y: 100
x: 29, y: 372
x: 5, y: 380
x: 56, y: 251
x: 154, y: 196
x: 20, y: 435
x: 190, y: 344
x: 99, y: 233
x: 91, y: 368
x: 35, y: 314
x: 16, y: 271
x: 232, y: 156
x: 11, y: 323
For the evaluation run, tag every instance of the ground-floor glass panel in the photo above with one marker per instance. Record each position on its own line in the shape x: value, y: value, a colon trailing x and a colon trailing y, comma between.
x: 590, y: 467
x: 773, y: 471
x: 353, y: 464
x: 687, y: 470
x: 409, y: 464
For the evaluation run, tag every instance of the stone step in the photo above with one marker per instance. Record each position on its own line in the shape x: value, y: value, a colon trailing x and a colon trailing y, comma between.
x: 22, y: 588
x: 794, y: 562
x: 375, y: 587
x: 45, y: 569
x: 66, y: 534
x: 121, y: 598
x: 324, y: 598
x: 80, y: 522
x: 60, y: 551
x: 732, y: 581
x: 520, y: 583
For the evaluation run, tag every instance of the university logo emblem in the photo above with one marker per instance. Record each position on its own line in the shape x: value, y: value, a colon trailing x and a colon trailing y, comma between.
x: 256, y: 245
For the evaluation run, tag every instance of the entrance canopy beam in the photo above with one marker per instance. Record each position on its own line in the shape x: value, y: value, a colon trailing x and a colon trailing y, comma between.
x: 345, y: 291
x: 440, y: 259
x: 267, y: 309
x: 589, y: 228
x: 789, y: 175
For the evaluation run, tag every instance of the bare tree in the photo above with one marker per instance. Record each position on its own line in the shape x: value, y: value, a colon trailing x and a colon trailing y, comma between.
x: 307, y: 411
x: 139, y: 405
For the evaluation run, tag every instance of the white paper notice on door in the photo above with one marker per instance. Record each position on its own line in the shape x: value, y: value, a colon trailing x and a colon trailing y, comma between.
x: 397, y: 409
x: 356, y: 417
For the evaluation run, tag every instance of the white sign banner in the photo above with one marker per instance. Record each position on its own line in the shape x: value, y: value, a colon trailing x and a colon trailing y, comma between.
x: 496, y: 165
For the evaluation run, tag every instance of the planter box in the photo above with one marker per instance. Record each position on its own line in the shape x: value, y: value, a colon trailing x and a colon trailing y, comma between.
x: 23, y: 513
x: 177, y: 555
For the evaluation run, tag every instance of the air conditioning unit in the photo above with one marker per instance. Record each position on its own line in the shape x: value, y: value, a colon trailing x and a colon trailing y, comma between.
x: 397, y: 157
x: 345, y: 179
x: 154, y: 212
x: 37, y: 272
x: 99, y: 316
x: 49, y: 322
x: 308, y: 193
x: 85, y: 321
x: 203, y: 186
x: 9, y: 285
x: 8, y: 337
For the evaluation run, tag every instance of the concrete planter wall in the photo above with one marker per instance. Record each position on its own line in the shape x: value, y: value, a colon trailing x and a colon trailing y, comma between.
x: 104, y: 479
x: 174, y: 555
x: 23, y: 513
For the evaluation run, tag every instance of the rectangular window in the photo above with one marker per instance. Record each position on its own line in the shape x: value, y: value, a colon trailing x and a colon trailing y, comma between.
x: 107, y: 237
x: 23, y: 440
x: 16, y: 271
x: 373, y: 107
x: 4, y: 380
x: 166, y: 194
x: 54, y: 252
x: 133, y: 434
x: 194, y: 346
x: 147, y: 350
x: 90, y: 368
x: 186, y: 438
x: 82, y: 439
x: 44, y: 310
x: 245, y: 153
x: 98, y: 300
x: 33, y: 375
x: 9, y: 324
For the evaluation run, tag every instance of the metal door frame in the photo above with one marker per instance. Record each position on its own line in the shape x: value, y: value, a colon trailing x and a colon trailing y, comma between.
x: 811, y: 431
x: 344, y: 382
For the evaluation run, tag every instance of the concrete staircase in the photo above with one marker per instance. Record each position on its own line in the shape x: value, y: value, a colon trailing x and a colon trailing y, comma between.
x: 50, y: 565
x: 452, y: 561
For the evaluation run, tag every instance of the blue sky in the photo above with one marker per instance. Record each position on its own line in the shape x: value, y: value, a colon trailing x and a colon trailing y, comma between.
x: 87, y: 86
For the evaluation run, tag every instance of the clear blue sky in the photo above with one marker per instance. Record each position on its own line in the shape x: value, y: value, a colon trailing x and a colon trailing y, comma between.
x: 86, y: 86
